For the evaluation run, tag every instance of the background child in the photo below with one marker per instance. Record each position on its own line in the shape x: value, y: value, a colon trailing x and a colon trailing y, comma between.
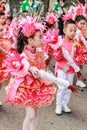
x: 1, y: 36
x: 81, y: 37
x: 4, y: 44
x: 2, y: 18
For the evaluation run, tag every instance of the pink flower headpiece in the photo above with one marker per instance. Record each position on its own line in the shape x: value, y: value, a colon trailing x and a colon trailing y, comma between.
x: 79, y: 10
x: 29, y: 26
x: 67, y: 16
x: 50, y: 18
x: 51, y: 37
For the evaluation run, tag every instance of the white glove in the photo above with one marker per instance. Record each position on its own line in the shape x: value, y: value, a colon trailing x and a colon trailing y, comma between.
x: 70, y: 60
x: 80, y: 36
x: 49, y: 76
x: 34, y: 72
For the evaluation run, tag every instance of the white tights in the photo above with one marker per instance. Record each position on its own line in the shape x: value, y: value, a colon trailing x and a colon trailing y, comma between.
x: 30, y: 120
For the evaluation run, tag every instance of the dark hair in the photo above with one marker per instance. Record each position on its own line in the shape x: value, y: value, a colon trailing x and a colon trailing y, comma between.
x: 25, y: 11
x: 59, y: 0
x: 2, y: 13
x: 22, y: 41
x: 69, y: 22
x: 10, y: 18
x: 80, y: 17
x: 82, y: 1
x: 47, y: 25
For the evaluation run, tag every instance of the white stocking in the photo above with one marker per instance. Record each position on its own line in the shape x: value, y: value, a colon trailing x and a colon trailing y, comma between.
x: 30, y: 116
x: 33, y: 123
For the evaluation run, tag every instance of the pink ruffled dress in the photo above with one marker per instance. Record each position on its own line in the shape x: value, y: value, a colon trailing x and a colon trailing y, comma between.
x: 33, y: 92
x: 4, y: 43
x: 81, y: 54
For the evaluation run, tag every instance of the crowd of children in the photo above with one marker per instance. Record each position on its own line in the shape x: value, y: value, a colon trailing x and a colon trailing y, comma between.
x: 27, y: 46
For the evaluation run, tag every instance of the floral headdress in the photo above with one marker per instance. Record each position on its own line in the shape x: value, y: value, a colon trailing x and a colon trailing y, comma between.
x: 29, y: 26
x: 51, y: 37
x: 67, y: 16
x: 51, y: 18
x: 76, y: 11
x: 79, y: 10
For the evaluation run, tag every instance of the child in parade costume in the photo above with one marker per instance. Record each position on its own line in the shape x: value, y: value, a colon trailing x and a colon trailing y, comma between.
x: 4, y: 44
x: 2, y: 5
x: 32, y: 86
x: 2, y: 18
x: 50, y: 24
x: 64, y: 69
x: 82, y: 53
x: 79, y: 14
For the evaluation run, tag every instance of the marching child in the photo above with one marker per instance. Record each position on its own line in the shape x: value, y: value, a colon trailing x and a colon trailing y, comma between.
x: 30, y: 87
x: 64, y: 70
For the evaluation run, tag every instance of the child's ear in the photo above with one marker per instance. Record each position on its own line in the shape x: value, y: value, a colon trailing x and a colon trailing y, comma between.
x: 30, y: 40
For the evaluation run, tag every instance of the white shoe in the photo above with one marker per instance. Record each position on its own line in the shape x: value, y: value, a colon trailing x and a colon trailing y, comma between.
x: 66, y: 109
x: 58, y: 110
x: 80, y: 84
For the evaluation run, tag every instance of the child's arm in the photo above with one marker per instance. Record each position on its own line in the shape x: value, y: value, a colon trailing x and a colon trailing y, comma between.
x: 52, y: 78
x: 70, y: 60
x: 49, y: 76
x: 62, y: 52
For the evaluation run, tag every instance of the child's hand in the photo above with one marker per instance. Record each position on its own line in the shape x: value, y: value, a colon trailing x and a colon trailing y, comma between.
x: 72, y: 88
x: 35, y: 72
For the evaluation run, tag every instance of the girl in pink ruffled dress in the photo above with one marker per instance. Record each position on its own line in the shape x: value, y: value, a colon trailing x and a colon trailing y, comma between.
x: 29, y: 87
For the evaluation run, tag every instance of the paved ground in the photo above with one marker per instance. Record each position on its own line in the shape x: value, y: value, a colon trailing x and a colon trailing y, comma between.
x: 11, y: 118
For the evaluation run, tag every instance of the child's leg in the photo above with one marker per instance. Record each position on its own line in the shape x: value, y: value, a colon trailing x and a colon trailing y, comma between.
x: 60, y: 93
x: 79, y: 79
x: 67, y: 94
x: 34, y: 122
x: 30, y: 116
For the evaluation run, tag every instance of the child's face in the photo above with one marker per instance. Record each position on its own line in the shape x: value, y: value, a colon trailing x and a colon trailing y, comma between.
x: 2, y: 19
x: 81, y: 24
x: 70, y: 31
x: 8, y: 21
x: 26, y: 13
x: 37, y: 41
x: 1, y: 32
